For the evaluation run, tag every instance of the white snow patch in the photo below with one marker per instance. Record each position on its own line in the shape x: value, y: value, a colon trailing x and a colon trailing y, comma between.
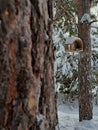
x: 69, y: 117
x: 85, y: 17
x: 46, y: 36
x: 40, y: 117
x: 22, y: 39
x: 70, y: 40
x: 86, y: 125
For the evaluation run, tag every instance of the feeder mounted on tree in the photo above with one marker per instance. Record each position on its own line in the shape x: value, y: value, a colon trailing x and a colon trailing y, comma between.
x: 73, y: 44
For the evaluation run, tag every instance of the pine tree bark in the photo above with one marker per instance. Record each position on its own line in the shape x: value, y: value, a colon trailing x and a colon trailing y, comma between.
x: 85, y: 92
x: 27, y: 94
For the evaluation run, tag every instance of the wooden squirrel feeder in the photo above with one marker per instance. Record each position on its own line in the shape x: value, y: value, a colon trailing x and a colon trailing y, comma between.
x: 73, y: 44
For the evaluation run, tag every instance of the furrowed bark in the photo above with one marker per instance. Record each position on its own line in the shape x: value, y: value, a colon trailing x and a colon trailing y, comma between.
x: 27, y: 95
x: 85, y: 92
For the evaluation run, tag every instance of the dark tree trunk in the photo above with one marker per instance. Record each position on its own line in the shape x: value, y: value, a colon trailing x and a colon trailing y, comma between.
x: 85, y: 92
x: 27, y: 94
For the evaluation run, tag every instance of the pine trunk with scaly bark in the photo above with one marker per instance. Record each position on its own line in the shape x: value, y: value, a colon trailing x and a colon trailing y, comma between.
x: 27, y: 94
x: 85, y: 92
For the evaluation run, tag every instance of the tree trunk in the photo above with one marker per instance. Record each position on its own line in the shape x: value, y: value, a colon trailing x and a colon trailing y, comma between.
x: 85, y: 92
x: 27, y: 94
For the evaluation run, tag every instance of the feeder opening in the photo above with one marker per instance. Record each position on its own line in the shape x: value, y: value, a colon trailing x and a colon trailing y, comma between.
x: 78, y: 45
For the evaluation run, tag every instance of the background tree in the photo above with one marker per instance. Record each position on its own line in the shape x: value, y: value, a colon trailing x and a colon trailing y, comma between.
x: 27, y: 95
x: 84, y: 69
x: 66, y: 64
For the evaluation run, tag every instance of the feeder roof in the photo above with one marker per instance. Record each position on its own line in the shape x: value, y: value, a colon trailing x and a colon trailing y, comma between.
x: 70, y: 40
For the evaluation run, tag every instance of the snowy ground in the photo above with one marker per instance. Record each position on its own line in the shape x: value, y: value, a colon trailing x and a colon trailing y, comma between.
x: 69, y: 118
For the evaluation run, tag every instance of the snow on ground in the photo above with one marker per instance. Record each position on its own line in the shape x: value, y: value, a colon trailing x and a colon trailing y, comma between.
x: 69, y: 118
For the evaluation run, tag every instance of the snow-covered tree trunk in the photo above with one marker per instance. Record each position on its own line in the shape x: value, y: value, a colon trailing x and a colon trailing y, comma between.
x: 85, y: 93
x: 27, y: 94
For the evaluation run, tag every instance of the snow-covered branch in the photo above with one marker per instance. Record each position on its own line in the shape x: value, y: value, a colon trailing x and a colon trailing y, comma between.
x: 85, y: 18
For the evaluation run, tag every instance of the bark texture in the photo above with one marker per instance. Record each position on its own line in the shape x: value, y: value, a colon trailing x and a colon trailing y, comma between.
x: 85, y: 92
x: 27, y: 95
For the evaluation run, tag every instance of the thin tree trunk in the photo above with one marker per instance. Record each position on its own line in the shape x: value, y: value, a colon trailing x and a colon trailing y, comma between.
x: 27, y: 95
x: 85, y: 92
